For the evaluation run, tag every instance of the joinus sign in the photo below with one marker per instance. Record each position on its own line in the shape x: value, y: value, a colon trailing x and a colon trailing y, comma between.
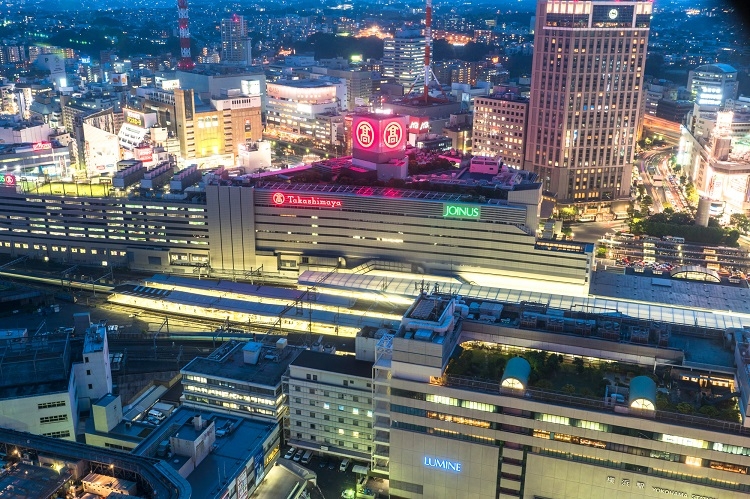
x: 461, y: 211
x: 442, y: 464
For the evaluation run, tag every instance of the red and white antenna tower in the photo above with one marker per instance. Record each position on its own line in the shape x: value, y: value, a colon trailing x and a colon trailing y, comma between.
x: 182, y: 13
x: 428, y: 39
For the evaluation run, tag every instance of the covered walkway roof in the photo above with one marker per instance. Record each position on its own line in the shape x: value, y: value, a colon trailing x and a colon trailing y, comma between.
x: 704, y: 318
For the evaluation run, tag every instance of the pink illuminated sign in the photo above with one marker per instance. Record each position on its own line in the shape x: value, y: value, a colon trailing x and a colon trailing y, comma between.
x: 392, y: 134
x: 365, y: 134
x: 281, y: 199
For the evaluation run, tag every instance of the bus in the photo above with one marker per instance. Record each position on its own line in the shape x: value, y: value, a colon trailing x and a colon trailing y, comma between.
x: 657, y: 180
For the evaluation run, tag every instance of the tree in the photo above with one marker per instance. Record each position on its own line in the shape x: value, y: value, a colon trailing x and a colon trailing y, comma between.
x: 684, y: 408
x: 646, y: 203
x: 641, y: 191
x: 578, y: 363
x: 601, y: 252
x: 691, y: 194
x: 731, y: 238
x: 709, y: 411
x: 568, y: 212
x: 740, y: 221
x: 569, y: 389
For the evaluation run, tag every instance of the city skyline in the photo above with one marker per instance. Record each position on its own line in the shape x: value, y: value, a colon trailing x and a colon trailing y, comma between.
x: 497, y: 251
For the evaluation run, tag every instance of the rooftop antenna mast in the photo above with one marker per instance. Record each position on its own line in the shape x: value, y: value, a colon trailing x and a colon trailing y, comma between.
x: 428, y: 40
x: 186, y: 62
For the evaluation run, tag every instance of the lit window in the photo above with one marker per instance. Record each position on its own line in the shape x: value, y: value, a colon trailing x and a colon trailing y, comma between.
x: 355, y: 411
x: 341, y: 431
x: 326, y: 405
x: 693, y: 461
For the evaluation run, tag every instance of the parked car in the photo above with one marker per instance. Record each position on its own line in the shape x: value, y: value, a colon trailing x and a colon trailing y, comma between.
x: 298, y: 454
x: 290, y: 453
x: 344, y: 465
x: 333, y: 464
x: 323, y: 462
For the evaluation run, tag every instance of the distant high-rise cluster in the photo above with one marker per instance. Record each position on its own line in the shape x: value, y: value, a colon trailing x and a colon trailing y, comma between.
x: 586, y: 91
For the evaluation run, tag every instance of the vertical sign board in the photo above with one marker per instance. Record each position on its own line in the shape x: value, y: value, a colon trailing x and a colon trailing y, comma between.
x: 242, y: 485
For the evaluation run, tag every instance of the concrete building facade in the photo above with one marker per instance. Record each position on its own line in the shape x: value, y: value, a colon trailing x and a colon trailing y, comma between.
x: 586, y: 92
x: 500, y: 127
x: 330, y: 405
x: 403, y: 56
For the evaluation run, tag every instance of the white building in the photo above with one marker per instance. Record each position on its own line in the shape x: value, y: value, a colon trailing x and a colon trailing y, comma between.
x: 330, y: 405
x: 42, y: 389
x: 713, y: 84
x: 715, y: 153
x: 403, y: 56
x: 293, y: 105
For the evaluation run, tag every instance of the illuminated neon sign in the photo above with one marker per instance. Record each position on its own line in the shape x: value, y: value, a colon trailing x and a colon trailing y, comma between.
x: 442, y: 464
x: 365, y: 134
x: 460, y: 211
x: 41, y: 146
x: 416, y: 125
x: 9, y: 180
x: 392, y: 134
x: 281, y: 199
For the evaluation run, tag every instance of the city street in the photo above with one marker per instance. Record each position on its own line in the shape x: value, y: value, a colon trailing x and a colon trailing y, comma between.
x: 669, y: 193
x: 591, y: 232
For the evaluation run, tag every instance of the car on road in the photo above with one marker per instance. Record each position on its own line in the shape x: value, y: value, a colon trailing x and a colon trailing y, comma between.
x: 290, y: 453
x: 298, y: 454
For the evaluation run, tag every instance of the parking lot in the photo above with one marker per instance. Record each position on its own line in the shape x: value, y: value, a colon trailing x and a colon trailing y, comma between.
x: 331, y: 481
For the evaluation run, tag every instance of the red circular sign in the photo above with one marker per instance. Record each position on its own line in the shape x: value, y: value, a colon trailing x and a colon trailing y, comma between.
x: 365, y: 134
x: 10, y: 180
x: 392, y: 134
x: 277, y: 198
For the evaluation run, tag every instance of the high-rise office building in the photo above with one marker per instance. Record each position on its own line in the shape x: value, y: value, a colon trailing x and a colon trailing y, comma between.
x: 235, y: 45
x: 586, y: 96
x: 403, y: 56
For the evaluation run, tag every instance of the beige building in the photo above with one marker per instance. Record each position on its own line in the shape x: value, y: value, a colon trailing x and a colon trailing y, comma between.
x: 586, y: 91
x: 481, y: 422
x: 218, y: 128
x: 500, y: 126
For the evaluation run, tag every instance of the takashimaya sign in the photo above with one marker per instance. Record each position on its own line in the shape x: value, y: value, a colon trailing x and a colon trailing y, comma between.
x: 392, y: 134
x: 442, y: 464
x: 461, y: 211
x: 282, y: 199
x: 365, y: 134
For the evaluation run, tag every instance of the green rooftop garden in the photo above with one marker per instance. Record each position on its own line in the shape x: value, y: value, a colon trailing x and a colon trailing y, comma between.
x: 583, y: 378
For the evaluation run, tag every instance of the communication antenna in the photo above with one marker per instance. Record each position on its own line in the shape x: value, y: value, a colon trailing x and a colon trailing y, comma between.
x: 186, y: 62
